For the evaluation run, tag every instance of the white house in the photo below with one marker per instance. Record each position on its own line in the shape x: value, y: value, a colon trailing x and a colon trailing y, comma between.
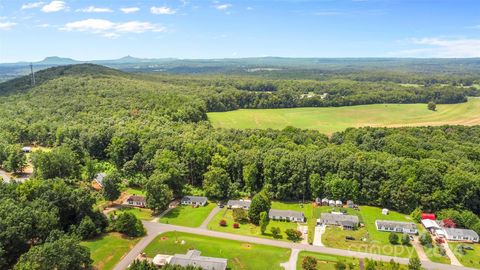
x: 461, y: 235
x: 243, y: 204
x: 286, y: 215
x: 135, y: 200
x: 396, y: 226
x: 194, y: 200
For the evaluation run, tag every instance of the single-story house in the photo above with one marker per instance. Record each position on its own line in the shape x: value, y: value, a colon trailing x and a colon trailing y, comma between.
x: 192, y: 258
x: 385, y: 211
x: 244, y: 204
x: 331, y: 203
x: 286, y: 215
x: 347, y: 222
x: 194, y: 200
x: 396, y: 226
x: 350, y: 204
x: 430, y: 224
x: 338, y: 203
x: 99, y: 178
x: 136, y: 200
x: 461, y: 235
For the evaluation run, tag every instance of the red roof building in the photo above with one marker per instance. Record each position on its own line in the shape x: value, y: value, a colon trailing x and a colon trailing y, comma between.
x: 428, y: 216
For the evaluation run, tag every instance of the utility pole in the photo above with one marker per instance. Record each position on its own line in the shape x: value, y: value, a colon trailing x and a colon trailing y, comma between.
x: 32, y: 74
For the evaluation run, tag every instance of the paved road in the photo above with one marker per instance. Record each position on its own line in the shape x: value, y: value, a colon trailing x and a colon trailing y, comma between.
x: 154, y: 229
x: 210, y: 217
x: 292, y: 262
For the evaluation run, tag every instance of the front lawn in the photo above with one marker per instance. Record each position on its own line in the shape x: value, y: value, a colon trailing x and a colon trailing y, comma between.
x: 107, y: 250
x: 240, y: 255
x: 471, y: 258
x: 247, y: 228
x: 374, y: 241
x: 328, y: 262
x: 189, y: 216
x: 140, y: 213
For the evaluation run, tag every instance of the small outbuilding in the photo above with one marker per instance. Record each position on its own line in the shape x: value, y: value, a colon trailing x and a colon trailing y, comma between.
x: 428, y: 216
x: 331, y: 203
x: 325, y: 202
x: 385, y: 211
x: 350, y: 204
x: 99, y: 178
x: 27, y: 149
x: 194, y: 200
x: 338, y: 203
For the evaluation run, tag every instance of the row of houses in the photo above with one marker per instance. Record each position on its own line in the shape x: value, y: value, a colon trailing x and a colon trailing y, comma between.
x: 192, y: 258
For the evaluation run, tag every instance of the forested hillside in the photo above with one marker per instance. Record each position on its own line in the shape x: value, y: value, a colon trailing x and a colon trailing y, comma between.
x: 155, y: 128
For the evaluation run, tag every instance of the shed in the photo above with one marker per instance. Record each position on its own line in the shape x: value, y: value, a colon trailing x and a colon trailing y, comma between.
x: 338, y: 203
x: 350, y: 204
x: 325, y: 202
x: 384, y: 211
x: 331, y: 203
x: 428, y: 216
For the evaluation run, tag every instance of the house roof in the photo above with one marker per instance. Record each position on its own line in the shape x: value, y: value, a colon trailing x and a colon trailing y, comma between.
x: 241, y: 203
x: 193, y: 258
x: 285, y: 213
x: 195, y: 199
x: 338, y: 218
x: 338, y: 202
x: 428, y: 223
x: 99, y: 178
x: 395, y: 224
x: 349, y: 202
x: 451, y: 232
x: 136, y: 198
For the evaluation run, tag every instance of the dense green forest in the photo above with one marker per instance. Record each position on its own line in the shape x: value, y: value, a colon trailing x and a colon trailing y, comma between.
x: 154, y: 128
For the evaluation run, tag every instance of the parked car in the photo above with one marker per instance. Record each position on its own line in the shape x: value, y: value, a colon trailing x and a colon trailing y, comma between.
x: 221, y: 205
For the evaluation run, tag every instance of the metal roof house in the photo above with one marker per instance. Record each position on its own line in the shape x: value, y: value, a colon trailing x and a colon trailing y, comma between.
x: 323, y: 201
x: 192, y: 258
x: 331, y: 203
x: 396, y: 226
x: 348, y: 222
x: 338, y: 203
x: 99, y: 178
x: 286, y: 215
x: 194, y: 200
x: 461, y: 235
x: 244, y: 204
x: 136, y: 200
x: 430, y: 224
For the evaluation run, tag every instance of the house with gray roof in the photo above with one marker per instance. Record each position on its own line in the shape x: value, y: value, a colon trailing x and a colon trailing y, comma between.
x: 99, y: 178
x: 286, y: 215
x: 453, y: 234
x: 396, y: 226
x: 243, y: 204
x: 347, y: 222
x: 194, y: 200
x: 193, y: 258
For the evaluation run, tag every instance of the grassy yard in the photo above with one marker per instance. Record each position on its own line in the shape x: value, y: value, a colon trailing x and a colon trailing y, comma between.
x: 140, y: 213
x: 135, y: 191
x: 187, y: 215
x: 107, y: 250
x: 240, y: 255
x: 328, y: 262
x: 376, y: 241
x: 333, y: 119
x: 471, y: 258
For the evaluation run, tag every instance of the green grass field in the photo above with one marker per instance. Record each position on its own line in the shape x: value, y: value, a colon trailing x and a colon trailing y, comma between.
x: 187, y: 215
x: 376, y: 241
x: 333, y: 119
x: 240, y: 255
x: 107, y: 250
x: 328, y: 262
x: 471, y: 258
x: 140, y: 213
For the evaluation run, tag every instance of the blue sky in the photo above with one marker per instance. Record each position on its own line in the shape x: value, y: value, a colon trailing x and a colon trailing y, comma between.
x: 87, y: 30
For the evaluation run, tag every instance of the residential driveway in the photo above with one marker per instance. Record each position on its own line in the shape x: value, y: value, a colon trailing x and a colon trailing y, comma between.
x: 292, y: 262
x: 451, y: 255
x: 4, y: 176
x: 210, y: 217
x: 317, y: 237
x: 304, y: 230
x: 157, y: 228
x: 420, y: 251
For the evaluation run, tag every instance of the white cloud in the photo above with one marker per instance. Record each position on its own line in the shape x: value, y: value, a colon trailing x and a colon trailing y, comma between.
x: 162, y: 10
x: 443, y: 48
x: 54, y: 6
x: 44, y: 25
x: 110, y: 29
x: 93, y: 9
x: 130, y: 10
x: 32, y: 5
x: 223, y: 6
x: 329, y: 13
x: 7, y: 25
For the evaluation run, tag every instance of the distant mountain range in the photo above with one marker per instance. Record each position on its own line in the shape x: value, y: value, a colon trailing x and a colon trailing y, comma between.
x: 258, y: 65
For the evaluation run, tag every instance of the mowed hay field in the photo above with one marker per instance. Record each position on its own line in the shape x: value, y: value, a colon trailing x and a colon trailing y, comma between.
x: 333, y: 119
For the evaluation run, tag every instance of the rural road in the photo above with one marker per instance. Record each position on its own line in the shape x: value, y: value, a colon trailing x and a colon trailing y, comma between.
x: 154, y: 229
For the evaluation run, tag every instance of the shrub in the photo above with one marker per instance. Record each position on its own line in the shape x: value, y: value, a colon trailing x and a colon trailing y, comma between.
x: 127, y: 223
x: 293, y: 235
x: 426, y: 239
x: 309, y: 263
x: 275, y: 232
x: 393, y: 238
x: 240, y: 215
x: 405, y: 240
x: 223, y: 223
x: 236, y: 225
